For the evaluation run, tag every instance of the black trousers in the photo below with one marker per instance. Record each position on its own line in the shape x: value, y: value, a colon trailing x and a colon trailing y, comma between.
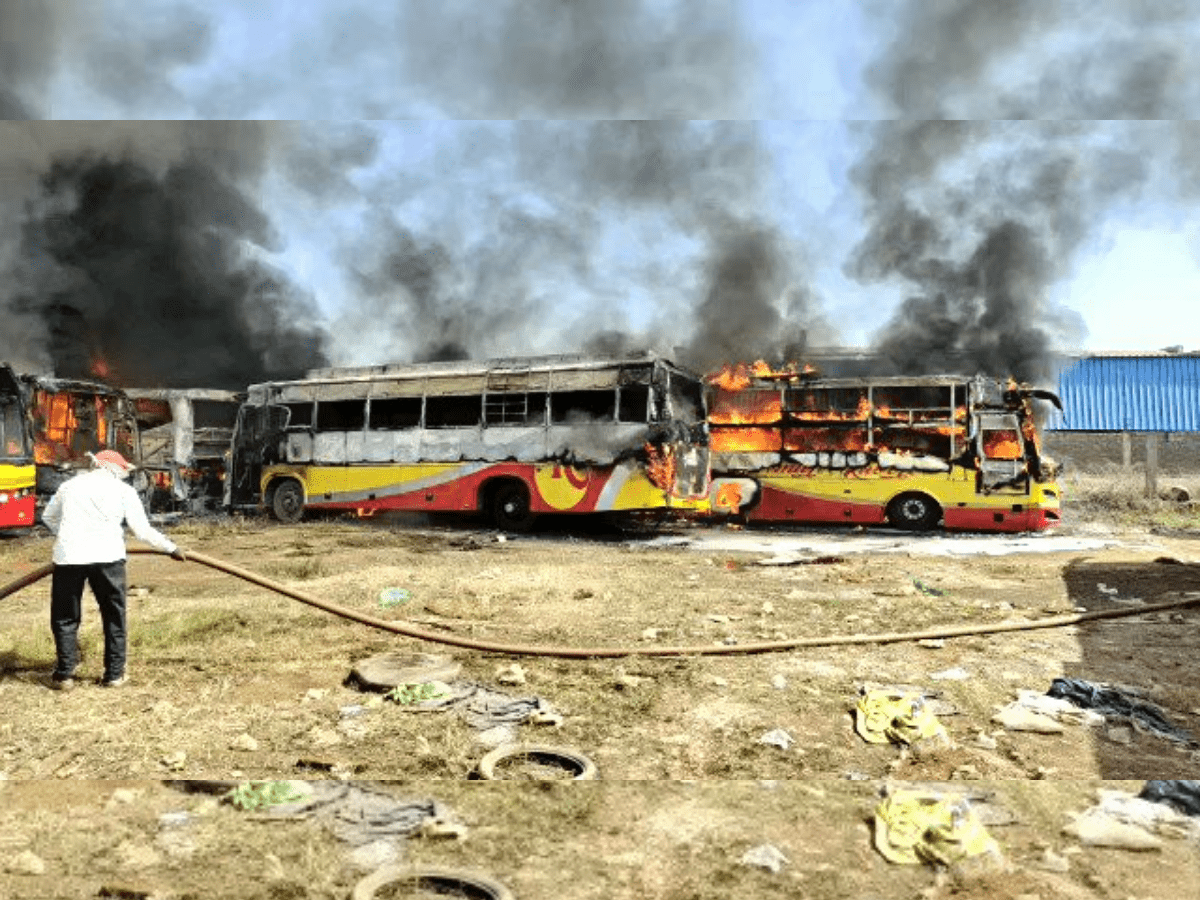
x: 107, y: 581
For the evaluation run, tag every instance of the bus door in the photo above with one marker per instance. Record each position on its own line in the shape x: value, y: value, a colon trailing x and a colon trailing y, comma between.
x: 1001, y: 452
x: 256, y: 439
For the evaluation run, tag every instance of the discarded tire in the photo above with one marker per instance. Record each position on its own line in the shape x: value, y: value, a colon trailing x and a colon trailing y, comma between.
x: 387, y: 670
x: 536, y: 762
x: 420, y: 881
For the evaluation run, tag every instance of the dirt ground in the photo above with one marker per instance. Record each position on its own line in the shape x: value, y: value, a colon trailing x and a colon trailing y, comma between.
x: 231, y: 682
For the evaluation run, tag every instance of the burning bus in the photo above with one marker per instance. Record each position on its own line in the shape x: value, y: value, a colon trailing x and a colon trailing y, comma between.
x: 185, y: 435
x: 18, y: 474
x: 911, y: 452
x: 49, y: 427
x: 511, y: 438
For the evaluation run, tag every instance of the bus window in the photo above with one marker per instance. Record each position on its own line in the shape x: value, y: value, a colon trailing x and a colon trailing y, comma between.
x: 12, y: 432
x: 687, y: 400
x: 453, y: 411
x: 634, y: 403
x: 299, y: 415
x: 395, y: 413
x: 341, y: 415
x: 576, y: 406
x: 515, y: 409
x: 213, y: 414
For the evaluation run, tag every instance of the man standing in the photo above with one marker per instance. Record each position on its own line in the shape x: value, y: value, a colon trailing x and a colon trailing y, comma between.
x: 87, y: 514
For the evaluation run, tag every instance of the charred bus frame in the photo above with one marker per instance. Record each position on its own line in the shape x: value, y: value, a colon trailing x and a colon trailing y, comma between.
x: 513, y: 438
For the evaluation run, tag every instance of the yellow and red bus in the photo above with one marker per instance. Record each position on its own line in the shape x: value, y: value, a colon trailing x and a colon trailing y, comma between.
x: 510, y: 438
x: 18, y: 474
x: 912, y: 452
x: 49, y: 425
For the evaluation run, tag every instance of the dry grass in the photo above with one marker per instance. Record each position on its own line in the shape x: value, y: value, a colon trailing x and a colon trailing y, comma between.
x: 686, y: 785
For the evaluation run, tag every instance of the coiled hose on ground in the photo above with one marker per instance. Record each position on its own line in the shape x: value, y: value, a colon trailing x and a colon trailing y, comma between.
x: 412, y: 631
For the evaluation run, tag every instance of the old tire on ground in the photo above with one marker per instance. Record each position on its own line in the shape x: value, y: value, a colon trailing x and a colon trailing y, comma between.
x: 914, y: 512
x: 287, y: 501
x: 510, y: 507
x: 491, y: 766
x: 388, y: 670
x: 430, y: 881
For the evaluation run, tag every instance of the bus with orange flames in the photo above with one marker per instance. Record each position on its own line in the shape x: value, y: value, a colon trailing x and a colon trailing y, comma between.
x: 47, y: 428
x: 509, y: 438
x: 911, y: 452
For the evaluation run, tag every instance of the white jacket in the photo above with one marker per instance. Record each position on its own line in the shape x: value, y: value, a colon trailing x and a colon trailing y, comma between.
x: 87, y: 514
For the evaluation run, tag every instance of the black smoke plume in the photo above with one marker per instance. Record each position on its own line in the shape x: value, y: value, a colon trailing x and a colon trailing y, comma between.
x: 152, y: 279
x: 977, y: 220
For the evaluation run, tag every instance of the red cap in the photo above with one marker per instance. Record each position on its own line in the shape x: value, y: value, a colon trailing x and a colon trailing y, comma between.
x: 115, y: 459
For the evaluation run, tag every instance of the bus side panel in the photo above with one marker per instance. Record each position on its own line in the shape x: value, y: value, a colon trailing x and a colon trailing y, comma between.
x: 455, y: 487
x: 19, y: 506
x: 787, y: 501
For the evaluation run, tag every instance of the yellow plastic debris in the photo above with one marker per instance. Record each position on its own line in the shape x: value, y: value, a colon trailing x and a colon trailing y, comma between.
x: 920, y: 826
x: 884, y: 716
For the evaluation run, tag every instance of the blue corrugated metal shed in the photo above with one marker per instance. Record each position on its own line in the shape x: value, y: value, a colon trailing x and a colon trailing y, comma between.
x: 1154, y: 392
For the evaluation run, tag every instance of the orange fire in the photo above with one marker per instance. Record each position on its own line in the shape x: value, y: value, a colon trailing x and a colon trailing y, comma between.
x: 64, y: 426
x: 661, y: 465
x: 728, y: 497
x: 752, y: 440
x: 1001, y: 445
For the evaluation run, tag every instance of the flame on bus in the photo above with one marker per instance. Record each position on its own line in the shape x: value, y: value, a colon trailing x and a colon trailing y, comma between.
x: 914, y: 452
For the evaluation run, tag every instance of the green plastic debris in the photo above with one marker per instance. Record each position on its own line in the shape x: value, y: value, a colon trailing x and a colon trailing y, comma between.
x: 253, y: 795
x: 393, y: 596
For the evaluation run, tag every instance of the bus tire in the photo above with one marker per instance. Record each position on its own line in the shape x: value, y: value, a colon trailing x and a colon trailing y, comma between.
x: 913, y: 512
x: 510, y: 507
x: 287, y: 501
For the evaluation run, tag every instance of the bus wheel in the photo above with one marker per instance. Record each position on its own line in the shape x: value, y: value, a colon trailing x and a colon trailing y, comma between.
x: 510, y: 508
x: 914, y: 512
x: 288, y: 502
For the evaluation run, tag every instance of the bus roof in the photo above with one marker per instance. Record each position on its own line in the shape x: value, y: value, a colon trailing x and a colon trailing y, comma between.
x: 514, y: 364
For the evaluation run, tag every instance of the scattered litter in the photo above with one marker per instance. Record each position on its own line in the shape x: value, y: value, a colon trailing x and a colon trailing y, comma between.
x: 26, y: 862
x: 1016, y: 717
x: 779, y: 682
x: 512, y: 674
x: 777, y: 737
x: 1181, y: 795
x: 410, y: 694
x: 765, y: 856
x: 243, y: 742
x: 914, y: 826
x: 482, y: 707
x: 928, y: 589
x: 393, y: 596
x: 356, y: 814
x: 1043, y: 714
x: 768, y: 608
x: 175, y: 760
x: 1105, y: 589
x: 899, y: 717
x: 651, y: 634
x: 351, y: 711
x: 314, y: 694
x: 1127, y: 822
x: 1112, y: 703
x: 958, y: 673
x: 932, y: 643
x: 855, y: 775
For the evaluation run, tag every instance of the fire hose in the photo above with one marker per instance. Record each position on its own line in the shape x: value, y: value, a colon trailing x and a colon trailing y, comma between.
x: 422, y: 634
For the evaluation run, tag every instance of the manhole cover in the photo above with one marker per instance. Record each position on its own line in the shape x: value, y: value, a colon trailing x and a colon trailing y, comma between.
x: 388, y: 670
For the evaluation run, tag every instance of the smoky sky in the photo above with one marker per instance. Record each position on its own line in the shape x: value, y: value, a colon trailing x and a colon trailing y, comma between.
x: 150, y: 279
x: 975, y: 221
